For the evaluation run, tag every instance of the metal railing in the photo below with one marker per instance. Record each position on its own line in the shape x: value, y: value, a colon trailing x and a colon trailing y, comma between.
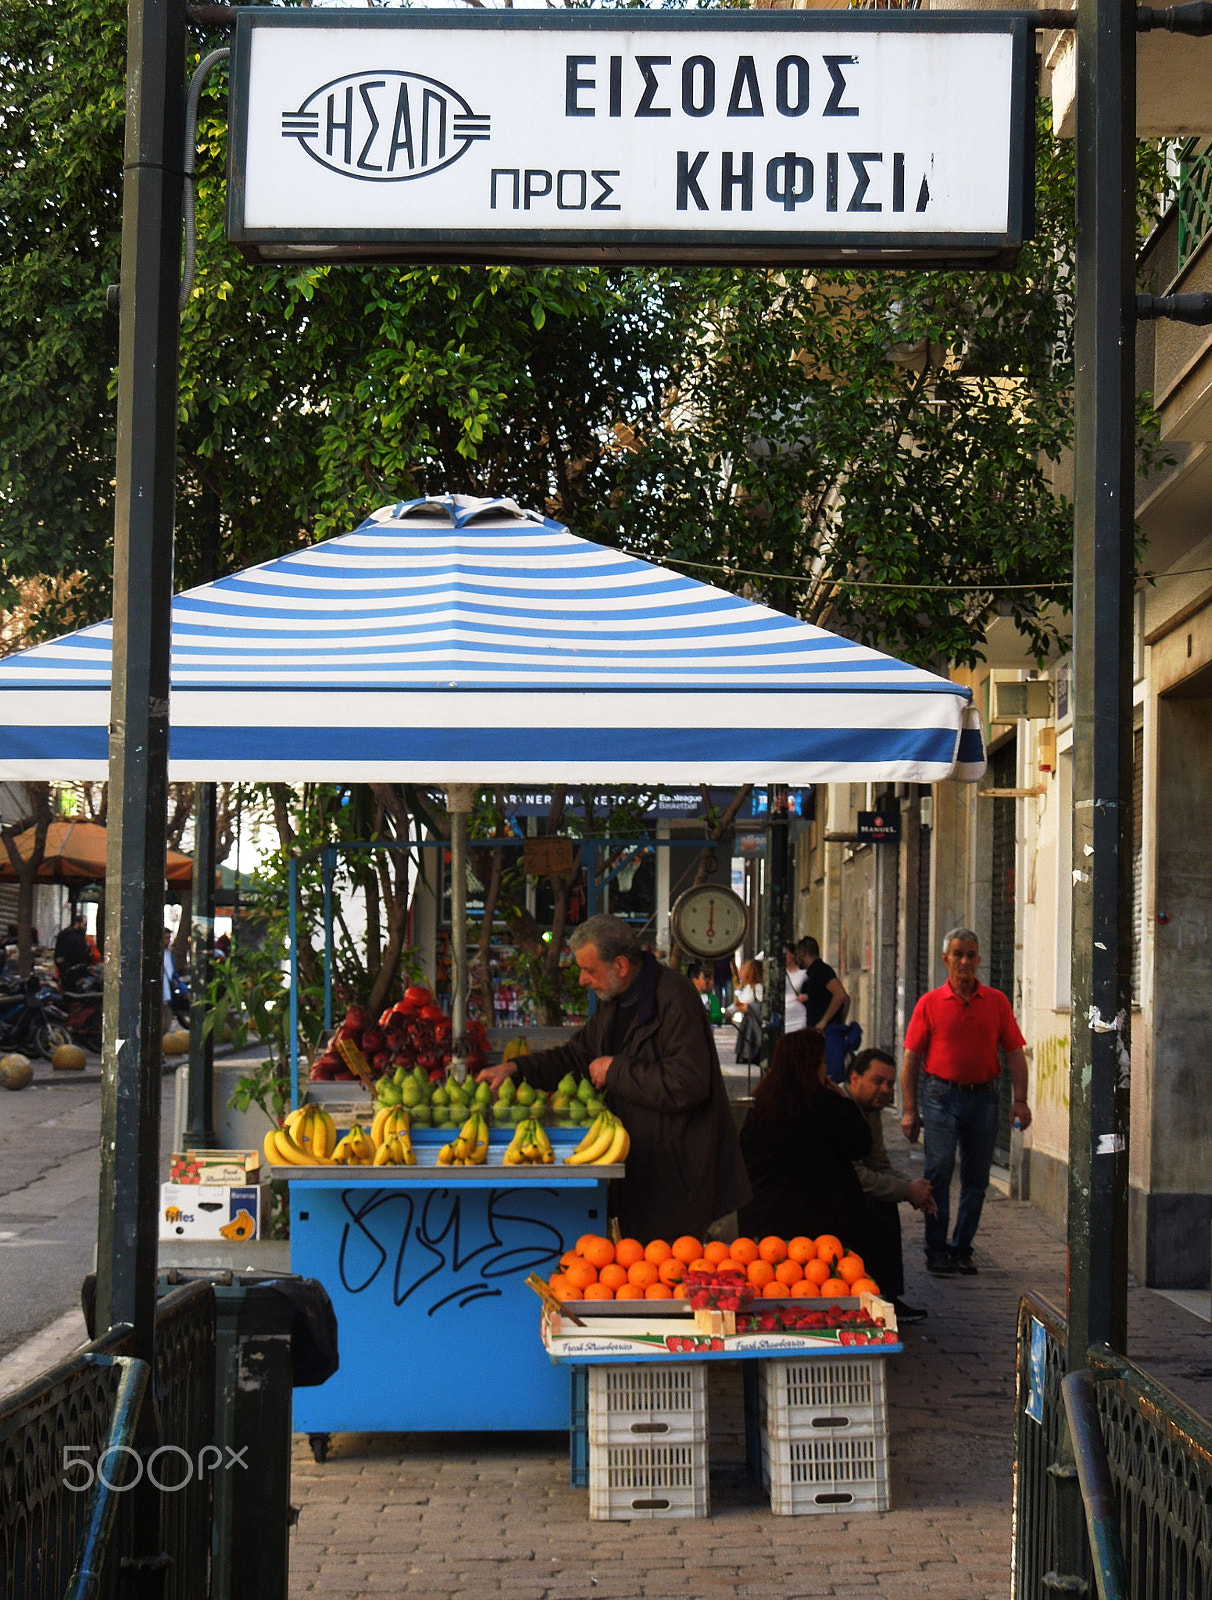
x: 1194, y: 199
x: 1159, y: 1453
x: 54, y: 1434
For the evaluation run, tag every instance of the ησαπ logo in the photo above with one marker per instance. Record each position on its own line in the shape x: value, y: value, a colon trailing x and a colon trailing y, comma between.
x: 384, y: 127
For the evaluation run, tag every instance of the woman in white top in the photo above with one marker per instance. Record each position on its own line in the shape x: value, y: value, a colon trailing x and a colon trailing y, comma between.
x: 794, y: 1015
x: 748, y: 989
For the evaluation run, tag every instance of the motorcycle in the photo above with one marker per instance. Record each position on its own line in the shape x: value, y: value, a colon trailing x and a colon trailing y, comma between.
x: 82, y: 1005
x: 31, y: 1019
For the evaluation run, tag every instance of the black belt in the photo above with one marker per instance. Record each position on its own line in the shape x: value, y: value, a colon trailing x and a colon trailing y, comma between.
x: 988, y: 1087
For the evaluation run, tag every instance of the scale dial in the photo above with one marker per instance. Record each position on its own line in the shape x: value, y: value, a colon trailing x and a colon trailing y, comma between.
x: 709, y: 921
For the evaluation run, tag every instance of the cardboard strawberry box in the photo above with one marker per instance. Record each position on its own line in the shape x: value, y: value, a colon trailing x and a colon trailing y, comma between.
x: 215, y: 1166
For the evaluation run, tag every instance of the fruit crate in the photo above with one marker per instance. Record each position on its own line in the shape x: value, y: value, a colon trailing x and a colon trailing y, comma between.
x: 640, y: 1481
x: 653, y: 1403
x: 806, y: 1399
x: 826, y: 1474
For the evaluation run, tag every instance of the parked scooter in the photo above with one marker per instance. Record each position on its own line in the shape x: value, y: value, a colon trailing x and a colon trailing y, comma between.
x: 31, y: 1018
x: 82, y: 1003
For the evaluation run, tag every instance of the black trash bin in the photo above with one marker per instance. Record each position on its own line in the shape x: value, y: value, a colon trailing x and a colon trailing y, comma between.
x: 273, y: 1333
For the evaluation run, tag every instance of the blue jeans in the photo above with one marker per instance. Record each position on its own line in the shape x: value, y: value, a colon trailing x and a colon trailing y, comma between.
x: 967, y: 1119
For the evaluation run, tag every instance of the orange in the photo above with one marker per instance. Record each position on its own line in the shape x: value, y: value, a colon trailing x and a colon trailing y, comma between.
x: 760, y: 1273
x: 701, y: 1265
x: 613, y: 1275
x: 560, y: 1286
x: 643, y: 1273
x: 851, y: 1267
x: 658, y: 1291
x: 743, y: 1250
x: 681, y: 1292
x: 729, y: 1265
x: 599, y: 1291
x: 568, y: 1258
x: 717, y: 1250
x: 834, y: 1287
x: 864, y: 1286
x: 772, y: 1248
x: 671, y: 1271
x: 598, y: 1252
x: 774, y: 1290
x: 628, y: 1251
x: 687, y: 1249
x: 789, y: 1272
x: 804, y: 1289
x: 580, y: 1275
x: 587, y: 1239
x: 801, y: 1249
x: 816, y: 1271
x: 657, y: 1251
x: 829, y: 1248
x: 629, y: 1291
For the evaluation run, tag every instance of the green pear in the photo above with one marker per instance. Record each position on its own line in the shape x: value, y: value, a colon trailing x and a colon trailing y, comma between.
x: 584, y: 1091
x: 594, y: 1107
x: 518, y: 1114
x: 577, y: 1113
x: 559, y: 1103
x: 526, y: 1095
x: 482, y: 1096
x: 439, y: 1097
x: 410, y: 1095
x: 567, y: 1085
x: 399, y: 1075
x: 422, y: 1115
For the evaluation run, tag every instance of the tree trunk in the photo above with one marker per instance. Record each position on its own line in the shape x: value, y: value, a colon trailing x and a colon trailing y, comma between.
x: 38, y: 817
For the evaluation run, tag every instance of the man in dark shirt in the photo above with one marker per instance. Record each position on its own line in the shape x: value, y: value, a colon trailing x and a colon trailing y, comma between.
x: 821, y: 994
x: 72, y: 951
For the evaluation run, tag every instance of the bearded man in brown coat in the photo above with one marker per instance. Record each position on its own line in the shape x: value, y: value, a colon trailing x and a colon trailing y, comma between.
x: 649, y: 1051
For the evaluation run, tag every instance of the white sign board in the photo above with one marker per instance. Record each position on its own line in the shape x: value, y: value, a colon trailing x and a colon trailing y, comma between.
x: 643, y: 136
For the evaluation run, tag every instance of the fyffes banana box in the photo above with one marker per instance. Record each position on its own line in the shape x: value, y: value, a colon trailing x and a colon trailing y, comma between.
x: 212, y: 1211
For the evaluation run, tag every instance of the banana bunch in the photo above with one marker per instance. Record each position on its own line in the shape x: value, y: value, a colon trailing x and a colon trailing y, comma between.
x: 515, y: 1048
x: 470, y: 1149
x: 606, y: 1142
x: 395, y: 1151
x: 390, y: 1121
x: 356, y: 1149
x: 529, y: 1146
x: 307, y: 1138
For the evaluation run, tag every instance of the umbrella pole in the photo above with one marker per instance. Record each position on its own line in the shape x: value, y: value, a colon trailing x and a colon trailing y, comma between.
x: 458, y: 804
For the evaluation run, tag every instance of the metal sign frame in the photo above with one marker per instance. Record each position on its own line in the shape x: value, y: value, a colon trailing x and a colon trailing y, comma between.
x: 605, y: 245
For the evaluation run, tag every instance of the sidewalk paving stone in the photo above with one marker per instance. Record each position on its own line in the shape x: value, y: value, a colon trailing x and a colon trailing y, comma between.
x: 491, y: 1517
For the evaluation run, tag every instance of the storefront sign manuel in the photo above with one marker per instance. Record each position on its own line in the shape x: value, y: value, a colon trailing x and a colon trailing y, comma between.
x: 746, y: 136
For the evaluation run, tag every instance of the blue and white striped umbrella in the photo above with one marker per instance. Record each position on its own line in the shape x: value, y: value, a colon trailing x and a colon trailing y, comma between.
x: 469, y: 641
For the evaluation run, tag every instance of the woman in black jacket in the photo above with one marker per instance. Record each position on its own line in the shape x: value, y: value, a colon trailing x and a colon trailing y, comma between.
x: 800, y: 1141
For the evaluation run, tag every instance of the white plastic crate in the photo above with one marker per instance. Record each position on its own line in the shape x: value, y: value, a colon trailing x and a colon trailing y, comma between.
x: 645, y: 1403
x: 807, y: 1398
x: 667, y: 1479
x: 826, y: 1473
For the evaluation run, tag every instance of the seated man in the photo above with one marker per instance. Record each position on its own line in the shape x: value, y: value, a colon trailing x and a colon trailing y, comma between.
x: 870, y: 1084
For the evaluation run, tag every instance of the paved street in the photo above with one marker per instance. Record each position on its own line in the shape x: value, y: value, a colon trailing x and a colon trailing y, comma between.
x: 492, y: 1517
x: 48, y: 1204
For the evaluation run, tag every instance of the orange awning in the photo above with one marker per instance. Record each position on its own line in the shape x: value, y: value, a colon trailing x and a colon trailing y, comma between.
x: 75, y: 853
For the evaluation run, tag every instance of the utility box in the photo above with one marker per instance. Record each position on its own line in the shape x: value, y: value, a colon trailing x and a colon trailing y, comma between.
x: 1029, y: 697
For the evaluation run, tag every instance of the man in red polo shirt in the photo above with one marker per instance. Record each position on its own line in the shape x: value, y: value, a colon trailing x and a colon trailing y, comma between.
x: 952, y: 1043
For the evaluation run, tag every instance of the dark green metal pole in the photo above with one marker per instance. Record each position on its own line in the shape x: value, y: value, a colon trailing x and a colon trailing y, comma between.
x: 138, y: 739
x: 1102, y: 656
x: 200, y: 1119
x: 778, y: 913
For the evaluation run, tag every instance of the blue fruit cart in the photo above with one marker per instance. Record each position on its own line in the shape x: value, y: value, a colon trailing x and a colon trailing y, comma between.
x: 424, y: 1264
